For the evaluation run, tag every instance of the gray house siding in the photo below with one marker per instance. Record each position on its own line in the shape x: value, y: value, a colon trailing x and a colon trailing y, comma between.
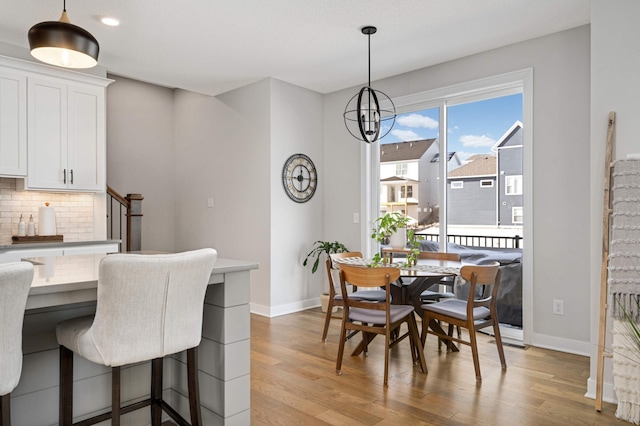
x: 509, y: 164
x: 472, y: 204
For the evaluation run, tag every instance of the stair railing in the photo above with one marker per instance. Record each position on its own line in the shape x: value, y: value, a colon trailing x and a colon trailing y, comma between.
x: 124, y: 217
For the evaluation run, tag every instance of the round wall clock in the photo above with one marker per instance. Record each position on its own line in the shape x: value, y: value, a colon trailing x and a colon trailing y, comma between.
x: 299, y: 178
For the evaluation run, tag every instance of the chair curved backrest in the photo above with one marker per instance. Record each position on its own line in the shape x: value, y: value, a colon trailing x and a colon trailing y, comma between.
x: 438, y: 255
x: 15, y: 281
x: 482, y: 275
x: 331, y: 266
x: 151, y: 303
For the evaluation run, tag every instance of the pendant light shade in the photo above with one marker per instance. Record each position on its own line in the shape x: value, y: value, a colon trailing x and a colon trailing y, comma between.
x: 369, y: 112
x: 63, y: 44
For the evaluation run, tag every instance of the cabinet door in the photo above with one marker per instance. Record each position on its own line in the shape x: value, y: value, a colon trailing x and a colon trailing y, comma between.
x: 13, y: 124
x: 47, y: 135
x: 86, y: 153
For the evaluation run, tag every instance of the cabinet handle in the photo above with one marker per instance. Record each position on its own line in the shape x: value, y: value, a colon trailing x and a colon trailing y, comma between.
x: 64, y: 176
x: 71, y: 176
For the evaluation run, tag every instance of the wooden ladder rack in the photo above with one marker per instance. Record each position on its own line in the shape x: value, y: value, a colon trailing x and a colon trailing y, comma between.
x: 606, y: 217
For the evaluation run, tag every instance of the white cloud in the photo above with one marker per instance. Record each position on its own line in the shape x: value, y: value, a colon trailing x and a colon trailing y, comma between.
x: 405, y: 135
x: 417, y: 120
x: 473, y: 141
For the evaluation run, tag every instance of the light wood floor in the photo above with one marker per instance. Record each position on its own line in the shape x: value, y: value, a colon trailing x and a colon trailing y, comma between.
x: 293, y: 382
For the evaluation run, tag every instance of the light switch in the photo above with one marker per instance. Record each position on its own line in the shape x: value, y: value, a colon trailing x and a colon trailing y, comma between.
x: 356, y: 218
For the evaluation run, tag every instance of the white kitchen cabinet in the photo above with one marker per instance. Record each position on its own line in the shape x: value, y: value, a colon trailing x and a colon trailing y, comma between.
x: 13, y: 124
x: 66, y: 135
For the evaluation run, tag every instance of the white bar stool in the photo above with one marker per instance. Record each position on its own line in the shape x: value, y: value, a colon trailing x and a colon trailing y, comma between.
x: 15, y: 282
x: 149, y: 306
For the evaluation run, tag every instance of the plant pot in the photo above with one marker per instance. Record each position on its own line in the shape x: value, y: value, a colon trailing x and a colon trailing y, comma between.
x: 398, y: 240
x: 324, y: 301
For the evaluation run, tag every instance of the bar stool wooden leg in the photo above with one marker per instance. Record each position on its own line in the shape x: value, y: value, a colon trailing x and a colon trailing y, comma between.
x: 5, y: 411
x: 194, y: 387
x: 156, y: 391
x: 66, y: 387
x: 115, y: 396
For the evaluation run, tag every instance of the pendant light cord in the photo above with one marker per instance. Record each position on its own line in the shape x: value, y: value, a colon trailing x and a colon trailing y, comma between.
x: 64, y: 5
x: 369, y: 42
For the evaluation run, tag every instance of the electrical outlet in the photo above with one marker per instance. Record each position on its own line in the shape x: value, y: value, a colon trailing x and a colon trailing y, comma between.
x: 558, y: 306
x: 210, y: 202
x: 356, y: 218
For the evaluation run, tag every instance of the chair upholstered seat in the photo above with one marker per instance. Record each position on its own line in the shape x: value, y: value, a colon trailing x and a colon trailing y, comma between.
x: 15, y: 282
x: 370, y: 295
x: 456, y: 308
x: 397, y: 312
x: 148, y: 306
x: 435, y: 295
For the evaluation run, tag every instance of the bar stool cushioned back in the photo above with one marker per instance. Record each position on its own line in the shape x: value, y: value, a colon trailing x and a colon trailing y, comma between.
x: 148, y: 306
x: 15, y: 281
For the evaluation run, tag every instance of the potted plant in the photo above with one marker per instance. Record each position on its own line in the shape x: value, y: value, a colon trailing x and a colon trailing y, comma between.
x: 321, y: 248
x: 392, y: 226
x: 392, y: 229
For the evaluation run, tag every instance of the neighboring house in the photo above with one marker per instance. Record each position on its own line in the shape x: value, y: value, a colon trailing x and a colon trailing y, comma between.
x: 488, y: 189
x: 509, y: 151
x: 409, y: 177
x: 471, y: 192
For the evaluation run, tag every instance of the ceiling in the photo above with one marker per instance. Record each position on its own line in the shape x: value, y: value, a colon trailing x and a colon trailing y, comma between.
x: 213, y: 46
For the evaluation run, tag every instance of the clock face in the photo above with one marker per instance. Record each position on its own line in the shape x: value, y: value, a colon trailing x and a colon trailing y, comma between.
x: 299, y: 178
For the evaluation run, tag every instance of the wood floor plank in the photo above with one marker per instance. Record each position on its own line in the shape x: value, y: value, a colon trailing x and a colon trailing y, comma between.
x: 293, y: 382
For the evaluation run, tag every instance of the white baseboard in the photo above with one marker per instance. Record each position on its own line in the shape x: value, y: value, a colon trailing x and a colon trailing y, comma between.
x: 608, y: 393
x: 575, y: 347
x: 276, y: 311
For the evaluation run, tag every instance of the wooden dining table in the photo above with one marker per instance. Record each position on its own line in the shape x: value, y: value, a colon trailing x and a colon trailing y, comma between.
x: 414, y: 279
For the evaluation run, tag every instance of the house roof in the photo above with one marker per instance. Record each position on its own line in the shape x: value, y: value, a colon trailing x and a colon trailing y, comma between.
x: 398, y: 179
x: 404, y: 151
x: 478, y: 165
x: 511, y: 138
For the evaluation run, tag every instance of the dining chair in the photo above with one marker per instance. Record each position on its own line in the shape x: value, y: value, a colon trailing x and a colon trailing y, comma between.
x: 15, y: 282
x: 148, y: 307
x: 473, y: 314
x: 376, y: 318
x: 433, y: 294
x: 335, y: 298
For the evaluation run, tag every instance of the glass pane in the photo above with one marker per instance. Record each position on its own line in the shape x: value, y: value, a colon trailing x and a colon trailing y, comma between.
x: 484, y: 184
x: 409, y: 157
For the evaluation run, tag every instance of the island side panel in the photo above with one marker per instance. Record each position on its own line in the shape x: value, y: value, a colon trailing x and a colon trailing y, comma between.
x: 224, y: 354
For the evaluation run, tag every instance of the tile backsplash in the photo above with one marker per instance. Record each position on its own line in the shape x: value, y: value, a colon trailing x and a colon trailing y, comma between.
x: 74, y: 212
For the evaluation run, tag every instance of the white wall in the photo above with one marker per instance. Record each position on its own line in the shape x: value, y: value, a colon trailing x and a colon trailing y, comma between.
x: 140, y: 154
x: 615, y: 66
x: 222, y: 152
x: 560, y: 179
x: 296, y: 127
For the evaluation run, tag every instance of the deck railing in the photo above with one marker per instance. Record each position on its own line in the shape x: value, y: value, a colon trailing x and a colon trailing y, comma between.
x: 477, y: 240
x: 124, y: 218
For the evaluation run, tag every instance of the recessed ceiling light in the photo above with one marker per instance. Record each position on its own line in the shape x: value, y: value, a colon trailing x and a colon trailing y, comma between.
x: 110, y: 21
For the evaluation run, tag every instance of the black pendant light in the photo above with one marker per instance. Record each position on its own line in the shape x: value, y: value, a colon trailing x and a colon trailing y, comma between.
x: 63, y: 44
x: 364, y: 108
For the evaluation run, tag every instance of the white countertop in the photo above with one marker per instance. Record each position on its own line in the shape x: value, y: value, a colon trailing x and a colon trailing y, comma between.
x: 60, y: 280
x: 26, y: 246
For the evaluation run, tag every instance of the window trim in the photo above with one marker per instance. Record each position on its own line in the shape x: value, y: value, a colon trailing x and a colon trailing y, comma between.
x: 459, y: 184
x: 517, y: 184
x: 483, y: 181
x: 513, y: 214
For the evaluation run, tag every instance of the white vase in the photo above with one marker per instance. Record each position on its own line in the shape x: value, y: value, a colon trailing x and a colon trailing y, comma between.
x: 398, y: 240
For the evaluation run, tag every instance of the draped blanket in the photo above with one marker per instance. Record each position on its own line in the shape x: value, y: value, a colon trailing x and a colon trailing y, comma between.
x: 624, y: 254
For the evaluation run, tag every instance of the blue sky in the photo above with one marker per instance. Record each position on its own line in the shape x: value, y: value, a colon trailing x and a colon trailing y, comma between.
x: 473, y: 127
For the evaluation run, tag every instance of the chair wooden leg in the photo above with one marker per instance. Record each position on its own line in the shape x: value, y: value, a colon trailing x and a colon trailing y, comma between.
x: 65, y: 411
x: 498, y: 338
x: 387, y: 338
x: 425, y: 327
x: 343, y: 335
x: 5, y: 410
x: 474, y: 351
x: 194, y: 388
x: 156, y: 391
x: 327, y: 319
x: 115, y: 396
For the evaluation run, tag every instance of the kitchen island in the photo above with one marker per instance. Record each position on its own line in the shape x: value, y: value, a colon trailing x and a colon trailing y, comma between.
x: 65, y: 287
